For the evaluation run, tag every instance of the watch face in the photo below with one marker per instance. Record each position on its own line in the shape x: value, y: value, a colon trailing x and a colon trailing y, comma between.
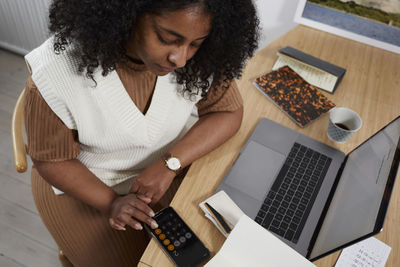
x: 174, y: 164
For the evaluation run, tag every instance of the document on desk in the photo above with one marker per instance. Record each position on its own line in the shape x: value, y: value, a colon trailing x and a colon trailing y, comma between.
x: 370, y: 252
x: 249, y: 244
x: 312, y: 75
x: 223, y: 204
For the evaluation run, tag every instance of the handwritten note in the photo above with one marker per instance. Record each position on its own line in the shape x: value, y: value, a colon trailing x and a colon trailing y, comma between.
x: 368, y: 253
x: 312, y: 75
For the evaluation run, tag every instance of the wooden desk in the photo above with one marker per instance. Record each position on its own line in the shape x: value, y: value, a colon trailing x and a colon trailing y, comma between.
x: 371, y: 87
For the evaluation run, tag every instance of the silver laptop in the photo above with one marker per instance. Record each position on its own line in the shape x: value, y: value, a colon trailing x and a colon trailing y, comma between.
x: 310, y: 195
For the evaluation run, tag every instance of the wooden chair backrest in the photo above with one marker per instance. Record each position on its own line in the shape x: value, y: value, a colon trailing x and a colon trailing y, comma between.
x: 17, y: 133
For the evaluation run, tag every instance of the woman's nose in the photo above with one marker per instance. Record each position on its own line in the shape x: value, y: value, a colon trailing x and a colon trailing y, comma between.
x: 179, y: 56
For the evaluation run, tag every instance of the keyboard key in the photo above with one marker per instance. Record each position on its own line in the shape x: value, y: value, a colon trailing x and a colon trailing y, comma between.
x: 284, y: 186
x: 302, y: 207
x: 267, y: 201
x: 267, y: 220
x: 299, y: 213
x: 271, y: 194
x: 307, y: 195
x: 259, y: 220
x: 264, y: 208
x: 295, y: 164
x: 309, y: 189
x: 296, y: 200
x: 304, y: 201
x: 261, y: 214
x: 290, y: 192
x: 276, y: 223
x: 290, y: 174
x: 293, y: 226
x: 278, y: 217
x: 287, y: 219
x: 303, y: 183
x: 301, y: 188
x: 296, y: 219
x: 281, y: 192
x: 284, y: 226
x: 279, y: 197
x: 277, y: 231
x: 273, y: 210
x: 288, y: 198
x: 298, y: 194
x: 303, y: 149
x: 303, y: 165
x: 292, y: 206
x: 289, y: 235
x: 282, y: 210
x: 287, y: 181
x: 280, y: 177
x: 290, y: 212
x: 276, y: 204
x: 289, y: 161
x: 296, y: 181
x: 285, y: 204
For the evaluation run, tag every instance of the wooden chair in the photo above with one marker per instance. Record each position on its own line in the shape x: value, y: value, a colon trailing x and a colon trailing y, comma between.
x: 19, y: 148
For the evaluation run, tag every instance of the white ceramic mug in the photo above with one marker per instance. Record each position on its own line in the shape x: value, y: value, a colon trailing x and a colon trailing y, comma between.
x: 343, y: 123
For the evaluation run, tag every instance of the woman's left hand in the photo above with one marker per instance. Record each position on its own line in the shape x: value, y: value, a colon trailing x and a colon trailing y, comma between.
x: 153, y: 182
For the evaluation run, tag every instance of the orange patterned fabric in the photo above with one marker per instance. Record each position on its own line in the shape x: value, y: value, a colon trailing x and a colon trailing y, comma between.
x: 297, y: 98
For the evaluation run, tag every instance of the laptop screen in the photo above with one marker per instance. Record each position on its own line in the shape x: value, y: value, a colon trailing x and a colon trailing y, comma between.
x: 361, y: 197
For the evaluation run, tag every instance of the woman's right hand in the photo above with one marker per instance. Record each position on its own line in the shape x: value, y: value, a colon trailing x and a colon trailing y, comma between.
x: 130, y: 210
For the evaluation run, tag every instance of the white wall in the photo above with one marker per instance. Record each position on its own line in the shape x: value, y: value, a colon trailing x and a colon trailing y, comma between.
x: 276, y: 18
x: 23, y: 23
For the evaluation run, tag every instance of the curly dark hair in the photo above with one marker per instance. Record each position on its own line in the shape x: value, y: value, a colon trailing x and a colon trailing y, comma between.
x: 100, y: 28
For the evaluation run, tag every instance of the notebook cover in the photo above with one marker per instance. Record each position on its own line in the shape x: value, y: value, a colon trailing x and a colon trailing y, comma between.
x: 301, y: 101
x: 316, y: 62
x: 313, y: 61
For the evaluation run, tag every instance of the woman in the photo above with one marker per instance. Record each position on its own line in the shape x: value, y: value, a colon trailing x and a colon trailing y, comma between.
x: 106, y: 106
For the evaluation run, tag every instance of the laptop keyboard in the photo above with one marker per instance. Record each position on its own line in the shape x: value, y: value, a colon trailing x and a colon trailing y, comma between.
x: 289, y: 202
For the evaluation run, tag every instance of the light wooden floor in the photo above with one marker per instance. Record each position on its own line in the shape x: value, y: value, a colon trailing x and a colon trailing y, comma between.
x: 24, y: 240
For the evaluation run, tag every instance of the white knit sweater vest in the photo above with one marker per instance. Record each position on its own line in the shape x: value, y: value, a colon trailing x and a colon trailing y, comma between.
x: 116, y: 140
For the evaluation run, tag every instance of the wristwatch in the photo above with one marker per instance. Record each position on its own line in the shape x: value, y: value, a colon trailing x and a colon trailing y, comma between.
x: 172, y: 163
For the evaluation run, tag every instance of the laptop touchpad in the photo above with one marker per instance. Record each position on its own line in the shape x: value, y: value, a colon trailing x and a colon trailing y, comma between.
x: 255, y: 170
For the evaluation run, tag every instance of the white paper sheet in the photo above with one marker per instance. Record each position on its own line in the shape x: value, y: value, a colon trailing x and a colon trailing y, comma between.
x: 370, y: 252
x: 312, y: 75
x: 249, y: 244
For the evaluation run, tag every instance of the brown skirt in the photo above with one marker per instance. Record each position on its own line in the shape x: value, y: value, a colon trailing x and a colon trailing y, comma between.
x: 84, y: 234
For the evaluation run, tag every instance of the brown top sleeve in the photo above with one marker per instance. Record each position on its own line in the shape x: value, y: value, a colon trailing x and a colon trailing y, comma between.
x: 48, y: 137
x: 221, y: 100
